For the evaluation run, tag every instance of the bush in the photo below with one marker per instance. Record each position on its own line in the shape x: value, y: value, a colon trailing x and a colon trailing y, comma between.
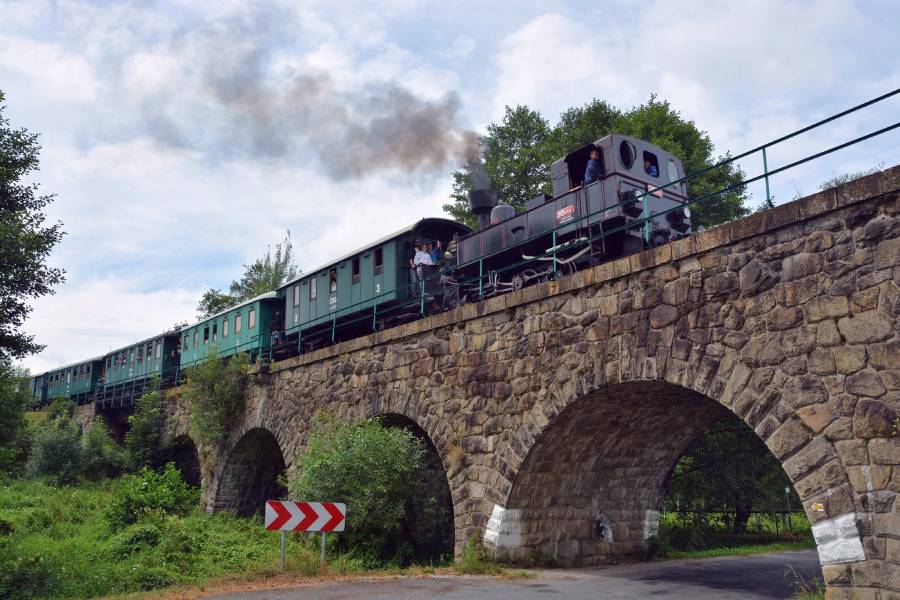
x: 474, y: 559
x: 100, y: 455
x: 374, y: 470
x: 142, y: 439
x: 215, y: 393
x: 56, y: 451
x: 14, y: 398
x: 150, y: 492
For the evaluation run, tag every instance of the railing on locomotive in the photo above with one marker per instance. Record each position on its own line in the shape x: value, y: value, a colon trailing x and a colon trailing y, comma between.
x: 645, y: 219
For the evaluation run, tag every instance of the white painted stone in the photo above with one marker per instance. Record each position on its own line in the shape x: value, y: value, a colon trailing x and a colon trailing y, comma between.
x: 504, y: 528
x: 838, y: 540
x: 603, y: 520
x: 651, y: 523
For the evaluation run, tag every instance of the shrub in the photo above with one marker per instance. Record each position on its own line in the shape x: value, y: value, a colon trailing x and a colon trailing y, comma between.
x: 13, y: 427
x: 374, y: 470
x: 215, y: 393
x: 142, y: 439
x: 100, y: 455
x: 474, y: 559
x: 150, y: 492
x: 56, y: 451
x: 60, y: 408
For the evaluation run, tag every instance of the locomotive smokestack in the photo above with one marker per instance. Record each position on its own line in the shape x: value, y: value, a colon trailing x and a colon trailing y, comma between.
x: 482, y: 198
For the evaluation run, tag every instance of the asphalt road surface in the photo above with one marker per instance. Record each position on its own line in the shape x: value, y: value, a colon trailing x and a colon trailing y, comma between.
x: 764, y: 576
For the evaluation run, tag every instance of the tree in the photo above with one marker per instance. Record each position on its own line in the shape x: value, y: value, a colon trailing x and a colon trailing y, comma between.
x: 518, y: 152
x: 215, y: 392
x: 728, y: 468
x: 373, y: 469
x: 263, y: 275
x: 142, y: 438
x: 14, y: 398
x: 25, y: 239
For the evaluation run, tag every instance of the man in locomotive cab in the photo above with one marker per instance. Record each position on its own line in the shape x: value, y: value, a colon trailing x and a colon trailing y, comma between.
x: 594, y: 169
x: 650, y: 169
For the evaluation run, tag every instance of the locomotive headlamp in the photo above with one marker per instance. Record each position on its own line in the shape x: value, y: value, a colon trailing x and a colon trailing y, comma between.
x: 679, y: 219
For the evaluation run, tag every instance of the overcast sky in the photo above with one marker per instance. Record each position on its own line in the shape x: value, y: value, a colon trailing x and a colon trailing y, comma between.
x: 183, y: 137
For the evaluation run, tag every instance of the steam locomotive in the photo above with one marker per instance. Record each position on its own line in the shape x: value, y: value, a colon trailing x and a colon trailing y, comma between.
x: 638, y: 202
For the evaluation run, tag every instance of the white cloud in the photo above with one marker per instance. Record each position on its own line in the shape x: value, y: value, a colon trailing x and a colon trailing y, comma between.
x: 49, y: 69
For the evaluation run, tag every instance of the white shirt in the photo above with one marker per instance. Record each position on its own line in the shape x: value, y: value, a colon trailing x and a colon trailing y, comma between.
x: 422, y: 258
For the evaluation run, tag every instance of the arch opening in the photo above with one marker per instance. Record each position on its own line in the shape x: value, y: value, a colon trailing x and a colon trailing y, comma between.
x: 428, y: 525
x: 250, y: 477
x: 592, y: 486
x: 183, y: 453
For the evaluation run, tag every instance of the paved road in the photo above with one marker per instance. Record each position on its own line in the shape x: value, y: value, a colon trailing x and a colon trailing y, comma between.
x: 733, y: 578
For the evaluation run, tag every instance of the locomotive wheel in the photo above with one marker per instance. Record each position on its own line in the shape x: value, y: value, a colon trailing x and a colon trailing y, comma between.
x: 518, y: 281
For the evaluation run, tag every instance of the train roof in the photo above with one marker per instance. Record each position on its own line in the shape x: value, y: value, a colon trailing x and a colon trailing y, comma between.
x: 370, y: 245
x: 74, y: 364
x: 264, y: 296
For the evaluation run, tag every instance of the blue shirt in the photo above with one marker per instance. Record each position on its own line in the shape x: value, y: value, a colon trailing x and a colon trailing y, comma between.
x: 593, y: 172
x: 652, y: 171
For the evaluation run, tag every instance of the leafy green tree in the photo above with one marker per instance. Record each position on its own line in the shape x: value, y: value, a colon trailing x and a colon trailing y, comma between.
x: 728, y: 468
x: 100, y: 455
x: 518, y: 152
x: 148, y: 492
x: 14, y: 398
x: 215, y: 391
x: 25, y: 239
x: 56, y: 451
x: 374, y: 470
x: 263, y: 275
x: 145, y: 424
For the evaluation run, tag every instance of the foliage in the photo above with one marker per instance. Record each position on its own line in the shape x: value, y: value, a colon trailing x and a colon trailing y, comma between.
x: 263, y: 275
x: 373, y: 469
x: 150, y: 492
x: 215, y: 391
x: 59, y: 544
x: 728, y: 468
x: 848, y: 177
x: 474, y: 559
x: 145, y: 423
x: 25, y: 239
x: 100, y: 455
x: 56, y: 451
x: 517, y: 153
x: 14, y: 398
x: 60, y: 408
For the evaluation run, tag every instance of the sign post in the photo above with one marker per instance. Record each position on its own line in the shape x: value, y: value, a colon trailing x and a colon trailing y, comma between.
x: 285, y: 515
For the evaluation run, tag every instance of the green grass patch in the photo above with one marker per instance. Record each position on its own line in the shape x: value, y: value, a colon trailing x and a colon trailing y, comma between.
x: 742, y: 550
x: 56, y: 542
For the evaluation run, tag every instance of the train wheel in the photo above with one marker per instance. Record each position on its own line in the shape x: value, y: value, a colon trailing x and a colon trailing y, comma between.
x: 518, y: 281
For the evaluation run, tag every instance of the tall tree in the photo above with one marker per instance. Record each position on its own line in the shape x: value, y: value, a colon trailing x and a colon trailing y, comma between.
x: 263, y: 275
x: 14, y: 399
x: 518, y: 152
x: 25, y: 239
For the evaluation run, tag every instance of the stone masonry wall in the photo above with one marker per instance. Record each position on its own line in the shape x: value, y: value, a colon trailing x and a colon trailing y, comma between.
x: 563, y: 406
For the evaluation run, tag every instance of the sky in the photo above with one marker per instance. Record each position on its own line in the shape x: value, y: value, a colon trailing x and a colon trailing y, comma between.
x: 183, y: 137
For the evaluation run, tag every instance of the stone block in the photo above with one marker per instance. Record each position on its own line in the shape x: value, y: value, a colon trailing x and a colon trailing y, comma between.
x: 885, y: 451
x: 884, y: 356
x: 781, y: 318
x: 866, y: 327
x: 826, y: 307
x: 865, y: 383
x: 827, y: 334
x: 815, y: 416
x: 852, y: 452
x: 791, y: 436
x: 800, y: 265
x: 872, y: 419
x: 837, y: 540
x: 849, y: 359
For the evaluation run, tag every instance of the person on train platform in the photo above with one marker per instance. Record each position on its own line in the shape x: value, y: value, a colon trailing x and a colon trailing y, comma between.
x: 594, y: 169
x: 421, y: 260
x: 650, y: 169
x: 436, y: 253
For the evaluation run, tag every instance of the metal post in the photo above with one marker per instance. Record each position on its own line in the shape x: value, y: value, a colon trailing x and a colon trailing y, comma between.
x: 422, y: 296
x: 787, y: 500
x: 283, y: 547
x: 766, y: 174
x: 333, y: 325
x: 644, y: 215
x: 554, y: 251
x: 375, y: 314
x: 480, y: 278
x: 322, y: 554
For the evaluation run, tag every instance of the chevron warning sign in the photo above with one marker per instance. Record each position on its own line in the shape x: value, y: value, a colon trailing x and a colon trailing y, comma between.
x: 284, y: 515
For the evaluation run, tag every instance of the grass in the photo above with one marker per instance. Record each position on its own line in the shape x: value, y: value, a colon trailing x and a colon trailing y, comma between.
x: 56, y: 543
x: 742, y: 550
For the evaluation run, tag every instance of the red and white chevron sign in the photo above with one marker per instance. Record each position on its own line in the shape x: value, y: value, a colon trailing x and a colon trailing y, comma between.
x: 284, y: 515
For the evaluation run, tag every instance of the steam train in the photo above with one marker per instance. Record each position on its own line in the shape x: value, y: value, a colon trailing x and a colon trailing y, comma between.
x: 638, y: 202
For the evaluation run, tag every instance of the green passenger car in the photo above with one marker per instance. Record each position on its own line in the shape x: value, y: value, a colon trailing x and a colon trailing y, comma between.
x: 350, y: 293
x: 154, y: 356
x: 77, y: 381
x: 243, y: 328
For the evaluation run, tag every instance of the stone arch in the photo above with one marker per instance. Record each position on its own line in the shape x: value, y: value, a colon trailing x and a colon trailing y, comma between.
x: 183, y: 452
x: 435, y: 539
x: 592, y: 483
x: 250, y: 474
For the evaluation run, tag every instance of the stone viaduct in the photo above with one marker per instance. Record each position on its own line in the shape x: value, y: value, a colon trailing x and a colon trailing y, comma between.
x: 567, y: 404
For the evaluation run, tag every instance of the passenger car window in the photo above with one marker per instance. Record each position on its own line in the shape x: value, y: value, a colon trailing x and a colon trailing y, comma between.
x: 312, y: 288
x: 627, y: 154
x: 379, y: 265
x: 196, y: 337
x: 355, y: 270
x: 332, y: 280
x: 672, y: 170
x: 251, y: 318
x: 651, y: 164
x: 297, y: 295
x: 237, y: 323
x: 225, y: 327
